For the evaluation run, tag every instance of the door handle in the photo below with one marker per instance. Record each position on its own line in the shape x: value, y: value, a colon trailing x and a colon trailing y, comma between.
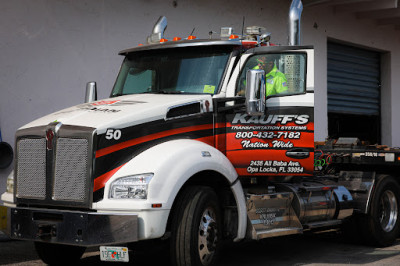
x: 298, y: 154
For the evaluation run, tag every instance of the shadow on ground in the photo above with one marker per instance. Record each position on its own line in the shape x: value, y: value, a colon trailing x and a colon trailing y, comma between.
x: 328, y: 248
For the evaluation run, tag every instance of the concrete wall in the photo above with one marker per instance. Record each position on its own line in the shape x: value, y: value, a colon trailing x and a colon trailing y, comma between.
x: 51, y: 48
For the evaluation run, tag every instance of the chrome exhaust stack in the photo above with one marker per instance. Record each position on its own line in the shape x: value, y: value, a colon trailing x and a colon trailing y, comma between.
x: 158, y: 31
x: 294, y: 22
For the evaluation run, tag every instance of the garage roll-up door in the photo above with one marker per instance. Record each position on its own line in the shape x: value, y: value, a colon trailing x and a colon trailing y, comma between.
x: 353, y: 80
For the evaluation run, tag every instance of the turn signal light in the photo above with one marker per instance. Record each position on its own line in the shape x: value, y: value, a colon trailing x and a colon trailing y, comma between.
x: 157, y: 205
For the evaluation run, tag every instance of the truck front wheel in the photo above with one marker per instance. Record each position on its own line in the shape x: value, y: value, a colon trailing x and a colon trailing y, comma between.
x: 381, y: 225
x: 56, y: 254
x: 196, y: 227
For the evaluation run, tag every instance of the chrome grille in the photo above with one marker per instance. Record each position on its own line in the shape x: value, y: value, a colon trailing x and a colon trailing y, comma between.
x: 54, y: 170
x: 31, y: 169
x: 71, y: 169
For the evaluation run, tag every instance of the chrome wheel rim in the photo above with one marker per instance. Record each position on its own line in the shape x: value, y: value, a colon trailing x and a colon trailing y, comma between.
x: 208, y: 236
x: 388, y: 211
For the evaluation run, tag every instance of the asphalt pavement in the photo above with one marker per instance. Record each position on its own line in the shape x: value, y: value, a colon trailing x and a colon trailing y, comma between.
x: 317, y: 249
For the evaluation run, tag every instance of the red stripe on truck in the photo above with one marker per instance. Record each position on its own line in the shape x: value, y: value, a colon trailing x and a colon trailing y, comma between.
x: 143, y: 139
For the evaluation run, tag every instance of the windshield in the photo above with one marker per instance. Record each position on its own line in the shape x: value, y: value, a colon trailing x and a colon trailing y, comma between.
x: 178, y: 70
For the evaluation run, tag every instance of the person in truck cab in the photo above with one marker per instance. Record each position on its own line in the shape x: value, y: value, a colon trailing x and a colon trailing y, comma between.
x: 275, y: 80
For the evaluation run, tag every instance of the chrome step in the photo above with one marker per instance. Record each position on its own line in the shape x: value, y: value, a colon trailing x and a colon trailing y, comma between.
x: 271, y: 215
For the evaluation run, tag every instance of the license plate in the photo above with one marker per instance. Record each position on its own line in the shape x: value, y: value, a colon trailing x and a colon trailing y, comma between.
x: 114, y: 254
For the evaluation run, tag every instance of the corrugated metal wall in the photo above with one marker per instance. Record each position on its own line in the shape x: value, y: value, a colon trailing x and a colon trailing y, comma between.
x: 353, y: 80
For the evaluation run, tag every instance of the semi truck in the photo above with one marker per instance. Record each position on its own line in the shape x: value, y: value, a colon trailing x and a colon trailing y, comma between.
x: 179, y: 154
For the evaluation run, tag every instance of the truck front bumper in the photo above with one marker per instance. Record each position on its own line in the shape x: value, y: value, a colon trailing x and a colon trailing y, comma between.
x: 72, y: 227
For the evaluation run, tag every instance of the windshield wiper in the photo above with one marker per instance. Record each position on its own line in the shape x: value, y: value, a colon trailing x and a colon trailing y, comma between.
x: 149, y: 92
x: 169, y: 92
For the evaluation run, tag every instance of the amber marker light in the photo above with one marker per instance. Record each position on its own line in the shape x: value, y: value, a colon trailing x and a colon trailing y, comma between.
x: 163, y: 40
x: 233, y: 36
x: 191, y: 37
x: 156, y: 205
x: 177, y: 39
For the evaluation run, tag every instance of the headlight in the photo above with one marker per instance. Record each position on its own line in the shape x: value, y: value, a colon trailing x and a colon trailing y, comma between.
x: 130, y: 187
x: 10, y: 182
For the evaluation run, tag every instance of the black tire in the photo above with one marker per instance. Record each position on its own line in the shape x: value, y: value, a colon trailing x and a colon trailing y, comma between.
x: 381, y: 226
x: 195, y: 228
x: 56, y: 254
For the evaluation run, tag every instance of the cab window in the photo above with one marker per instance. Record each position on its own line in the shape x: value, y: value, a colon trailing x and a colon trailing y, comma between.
x: 285, y: 73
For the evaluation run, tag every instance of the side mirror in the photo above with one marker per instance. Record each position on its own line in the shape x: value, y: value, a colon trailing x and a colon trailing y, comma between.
x: 255, y: 92
x: 91, y: 92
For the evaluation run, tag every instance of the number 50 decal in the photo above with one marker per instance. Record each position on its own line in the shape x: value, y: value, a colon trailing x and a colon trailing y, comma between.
x: 113, y: 134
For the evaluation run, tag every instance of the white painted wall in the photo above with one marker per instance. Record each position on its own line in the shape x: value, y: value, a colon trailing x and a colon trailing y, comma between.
x: 51, y: 48
x: 363, y: 33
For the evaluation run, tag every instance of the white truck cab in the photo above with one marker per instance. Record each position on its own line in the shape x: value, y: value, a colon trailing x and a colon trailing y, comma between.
x: 198, y: 142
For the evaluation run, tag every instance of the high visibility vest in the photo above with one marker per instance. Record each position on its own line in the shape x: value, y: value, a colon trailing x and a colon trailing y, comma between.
x: 275, y: 81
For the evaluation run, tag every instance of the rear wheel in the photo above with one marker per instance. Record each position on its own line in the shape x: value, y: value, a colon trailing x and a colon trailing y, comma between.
x: 196, y: 228
x: 381, y: 225
x: 56, y: 254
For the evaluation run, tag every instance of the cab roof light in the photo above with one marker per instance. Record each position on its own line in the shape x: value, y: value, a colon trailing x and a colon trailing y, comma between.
x: 163, y: 40
x: 233, y: 37
x: 191, y: 36
x: 176, y: 39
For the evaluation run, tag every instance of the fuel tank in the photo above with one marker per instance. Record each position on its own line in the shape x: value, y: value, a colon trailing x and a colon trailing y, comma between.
x: 312, y: 201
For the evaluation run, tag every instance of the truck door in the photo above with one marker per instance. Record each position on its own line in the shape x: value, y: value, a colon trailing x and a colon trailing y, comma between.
x: 280, y: 141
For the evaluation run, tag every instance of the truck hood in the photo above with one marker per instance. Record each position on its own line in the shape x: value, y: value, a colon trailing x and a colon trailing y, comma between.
x: 120, y: 112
